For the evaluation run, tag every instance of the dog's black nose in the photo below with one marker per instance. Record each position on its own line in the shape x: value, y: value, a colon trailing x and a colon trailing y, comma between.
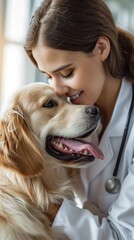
x: 92, y: 111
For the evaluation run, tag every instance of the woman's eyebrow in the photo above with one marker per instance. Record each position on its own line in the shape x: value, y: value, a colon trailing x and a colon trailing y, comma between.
x: 59, y: 69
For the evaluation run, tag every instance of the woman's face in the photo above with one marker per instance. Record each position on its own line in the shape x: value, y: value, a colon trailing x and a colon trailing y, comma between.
x: 79, y: 76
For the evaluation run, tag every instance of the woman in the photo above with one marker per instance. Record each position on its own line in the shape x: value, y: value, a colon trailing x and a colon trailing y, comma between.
x: 84, y: 56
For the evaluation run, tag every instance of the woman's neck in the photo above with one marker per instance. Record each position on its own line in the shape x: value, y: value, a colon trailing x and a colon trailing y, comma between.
x: 108, y: 99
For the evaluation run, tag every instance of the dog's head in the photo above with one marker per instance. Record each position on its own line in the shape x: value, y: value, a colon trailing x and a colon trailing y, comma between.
x: 38, y: 124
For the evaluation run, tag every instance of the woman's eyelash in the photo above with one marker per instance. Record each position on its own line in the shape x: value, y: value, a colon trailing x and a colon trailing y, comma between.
x: 69, y: 75
x: 48, y: 78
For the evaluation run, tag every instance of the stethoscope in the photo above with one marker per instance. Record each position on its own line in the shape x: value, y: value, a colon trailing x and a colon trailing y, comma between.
x: 113, y: 184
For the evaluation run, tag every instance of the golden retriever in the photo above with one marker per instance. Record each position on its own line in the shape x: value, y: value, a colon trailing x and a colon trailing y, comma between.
x: 39, y: 139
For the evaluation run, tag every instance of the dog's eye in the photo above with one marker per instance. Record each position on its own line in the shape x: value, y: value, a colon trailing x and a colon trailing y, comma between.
x: 50, y: 104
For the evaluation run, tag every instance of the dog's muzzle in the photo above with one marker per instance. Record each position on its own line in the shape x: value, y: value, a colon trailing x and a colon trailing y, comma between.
x: 76, y: 150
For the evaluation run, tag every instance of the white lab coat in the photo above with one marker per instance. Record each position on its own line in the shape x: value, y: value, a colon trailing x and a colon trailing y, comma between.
x: 81, y: 224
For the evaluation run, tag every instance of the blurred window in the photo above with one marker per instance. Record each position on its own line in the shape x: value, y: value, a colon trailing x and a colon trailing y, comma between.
x: 17, y: 15
x: 123, y: 13
x: 16, y: 69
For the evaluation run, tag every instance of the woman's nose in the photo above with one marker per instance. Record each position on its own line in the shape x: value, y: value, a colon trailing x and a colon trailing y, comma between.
x: 59, y: 88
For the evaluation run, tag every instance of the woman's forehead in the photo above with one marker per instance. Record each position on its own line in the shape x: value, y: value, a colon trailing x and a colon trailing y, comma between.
x: 52, y: 59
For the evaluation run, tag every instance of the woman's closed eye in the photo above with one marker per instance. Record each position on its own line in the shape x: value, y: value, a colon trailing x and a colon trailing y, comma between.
x: 68, y: 75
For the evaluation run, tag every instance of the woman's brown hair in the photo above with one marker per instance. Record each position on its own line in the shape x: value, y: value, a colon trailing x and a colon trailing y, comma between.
x: 76, y: 25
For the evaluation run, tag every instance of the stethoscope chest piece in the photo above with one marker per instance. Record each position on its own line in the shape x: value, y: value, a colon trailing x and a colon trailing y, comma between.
x: 112, y: 185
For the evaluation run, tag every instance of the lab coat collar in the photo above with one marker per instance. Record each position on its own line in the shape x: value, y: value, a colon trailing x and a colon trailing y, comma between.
x: 114, y: 129
x: 117, y: 123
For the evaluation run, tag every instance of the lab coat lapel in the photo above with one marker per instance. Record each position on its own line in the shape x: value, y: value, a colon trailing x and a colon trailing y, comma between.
x: 113, y: 132
x: 98, y: 165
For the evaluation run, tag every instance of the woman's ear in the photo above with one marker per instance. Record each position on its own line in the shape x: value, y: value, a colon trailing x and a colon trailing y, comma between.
x: 103, y: 47
x: 19, y: 148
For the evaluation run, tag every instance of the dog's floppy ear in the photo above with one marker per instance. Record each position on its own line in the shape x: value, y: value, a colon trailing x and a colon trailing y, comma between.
x: 19, y: 148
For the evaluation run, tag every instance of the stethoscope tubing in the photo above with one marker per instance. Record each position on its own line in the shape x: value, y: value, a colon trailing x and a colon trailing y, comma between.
x: 113, y: 184
x: 124, y: 135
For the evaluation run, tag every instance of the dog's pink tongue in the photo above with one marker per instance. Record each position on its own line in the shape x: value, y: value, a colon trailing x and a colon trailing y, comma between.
x: 80, y: 146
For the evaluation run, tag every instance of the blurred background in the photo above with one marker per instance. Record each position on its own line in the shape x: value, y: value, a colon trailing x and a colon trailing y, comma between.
x: 16, y: 69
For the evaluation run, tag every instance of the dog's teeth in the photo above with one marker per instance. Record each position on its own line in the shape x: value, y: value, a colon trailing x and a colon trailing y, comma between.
x: 85, y: 152
x: 70, y: 149
x: 66, y: 148
x: 60, y: 145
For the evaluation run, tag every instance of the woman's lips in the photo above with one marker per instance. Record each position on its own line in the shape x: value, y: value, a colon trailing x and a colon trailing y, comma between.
x: 75, y: 98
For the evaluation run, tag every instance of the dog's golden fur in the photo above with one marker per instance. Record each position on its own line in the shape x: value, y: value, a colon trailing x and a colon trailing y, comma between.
x: 30, y: 180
